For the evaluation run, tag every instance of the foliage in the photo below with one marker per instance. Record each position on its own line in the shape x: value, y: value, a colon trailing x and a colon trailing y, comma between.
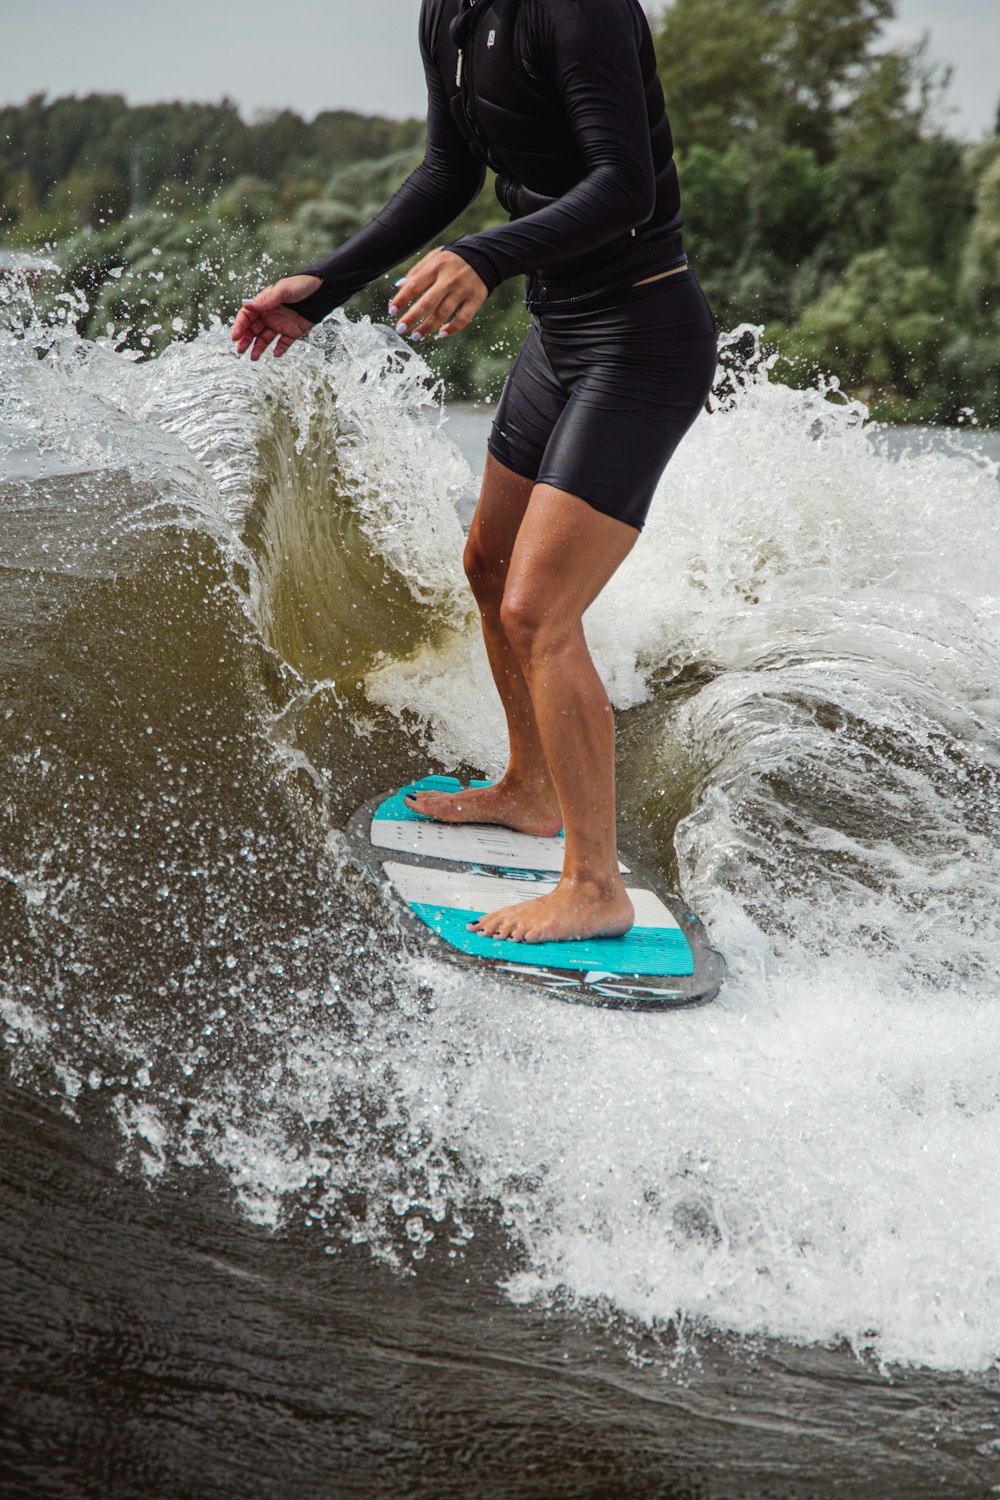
x: 976, y: 351
x: 821, y: 196
x: 980, y: 272
x: 772, y: 69
x: 205, y: 146
x: 881, y: 330
x: 751, y: 215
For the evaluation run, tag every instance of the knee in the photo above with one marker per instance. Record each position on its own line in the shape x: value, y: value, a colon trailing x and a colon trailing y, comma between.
x: 527, y: 624
x: 485, y: 573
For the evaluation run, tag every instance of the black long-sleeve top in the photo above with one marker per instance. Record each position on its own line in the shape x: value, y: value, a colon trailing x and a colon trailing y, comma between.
x: 561, y: 99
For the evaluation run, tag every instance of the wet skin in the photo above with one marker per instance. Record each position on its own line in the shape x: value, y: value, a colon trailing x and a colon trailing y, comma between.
x: 536, y: 559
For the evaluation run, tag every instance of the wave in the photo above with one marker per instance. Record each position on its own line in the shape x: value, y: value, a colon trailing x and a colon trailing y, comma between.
x: 231, y: 608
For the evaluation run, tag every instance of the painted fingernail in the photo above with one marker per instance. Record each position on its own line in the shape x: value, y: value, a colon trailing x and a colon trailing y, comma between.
x: 399, y: 281
x: 393, y: 310
x: 416, y: 338
x: 443, y: 333
x: 401, y: 327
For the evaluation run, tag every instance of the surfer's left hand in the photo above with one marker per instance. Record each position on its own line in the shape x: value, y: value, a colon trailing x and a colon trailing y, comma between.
x: 441, y: 293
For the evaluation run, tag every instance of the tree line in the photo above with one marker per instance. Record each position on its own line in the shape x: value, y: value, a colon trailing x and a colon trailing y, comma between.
x: 824, y: 197
x: 67, y: 163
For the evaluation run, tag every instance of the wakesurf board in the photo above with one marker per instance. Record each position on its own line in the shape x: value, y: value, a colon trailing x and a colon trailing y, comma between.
x: 442, y: 876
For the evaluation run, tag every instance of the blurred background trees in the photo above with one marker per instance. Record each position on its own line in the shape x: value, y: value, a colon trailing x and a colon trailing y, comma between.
x: 824, y: 198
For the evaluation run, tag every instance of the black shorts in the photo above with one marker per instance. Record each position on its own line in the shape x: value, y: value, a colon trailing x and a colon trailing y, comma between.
x: 603, y: 390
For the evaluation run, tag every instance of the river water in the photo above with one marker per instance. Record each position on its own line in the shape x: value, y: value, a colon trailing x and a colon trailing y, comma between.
x: 290, y: 1209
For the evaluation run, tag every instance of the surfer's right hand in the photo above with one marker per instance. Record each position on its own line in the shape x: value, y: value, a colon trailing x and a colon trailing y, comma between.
x: 267, y: 317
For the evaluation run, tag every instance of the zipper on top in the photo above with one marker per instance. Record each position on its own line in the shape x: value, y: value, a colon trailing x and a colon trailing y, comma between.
x: 469, y: 98
x: 458, y: 70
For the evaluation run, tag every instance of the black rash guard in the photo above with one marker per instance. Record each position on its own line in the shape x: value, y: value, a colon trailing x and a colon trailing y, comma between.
x: 561, y: 99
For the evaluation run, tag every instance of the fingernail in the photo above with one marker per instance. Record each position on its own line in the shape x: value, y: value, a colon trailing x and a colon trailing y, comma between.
x: 416, y: 338
x: 393, y: 310
x: 400, y: 281
x: 401, y: 327
x: 442, y: 333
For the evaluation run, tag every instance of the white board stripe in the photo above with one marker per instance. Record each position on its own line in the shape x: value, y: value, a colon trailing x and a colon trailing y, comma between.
x: 470, y: 843
x: 470, y: 892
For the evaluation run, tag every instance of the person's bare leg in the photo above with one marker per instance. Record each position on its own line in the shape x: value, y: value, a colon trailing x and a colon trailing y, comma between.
x: 564, y: 555
x: 524, y: 798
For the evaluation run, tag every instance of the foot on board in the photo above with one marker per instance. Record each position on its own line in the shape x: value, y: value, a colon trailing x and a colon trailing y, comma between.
x: 528, y: 810
x: 573, y: 910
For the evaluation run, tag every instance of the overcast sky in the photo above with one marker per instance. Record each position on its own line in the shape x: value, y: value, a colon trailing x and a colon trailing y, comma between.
x: 354, y: 54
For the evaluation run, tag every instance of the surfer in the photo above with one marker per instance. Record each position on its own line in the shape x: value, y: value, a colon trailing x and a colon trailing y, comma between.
x: 560, y: 98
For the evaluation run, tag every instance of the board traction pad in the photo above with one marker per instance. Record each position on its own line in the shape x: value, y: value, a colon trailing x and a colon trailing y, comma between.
x: 444, y: 876
x: 396, y: 826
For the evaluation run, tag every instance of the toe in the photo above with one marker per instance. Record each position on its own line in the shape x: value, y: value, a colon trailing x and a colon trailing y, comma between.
x: 426, y: 804
x: 509, y: 924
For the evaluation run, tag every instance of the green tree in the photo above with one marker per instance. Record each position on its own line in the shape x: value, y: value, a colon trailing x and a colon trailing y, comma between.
x: 930, y: 204
x: 204, y: 145
x: 784, y: 67
x: 18, y: 197
x: 754, y: 218
x: 974, y: 356
x: 882, y: 331
x: 91, y: 198
x: 247, y: 201
x: 47, y: 140
x: 716, y: 198
x: 980, y: 275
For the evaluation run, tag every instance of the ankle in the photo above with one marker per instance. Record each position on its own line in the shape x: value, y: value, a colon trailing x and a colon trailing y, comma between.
x: 597, y: 883
x: 535, y: 784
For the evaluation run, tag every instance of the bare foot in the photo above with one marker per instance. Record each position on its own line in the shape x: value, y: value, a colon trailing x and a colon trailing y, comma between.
x: 575, y: 909
x: 511, y: 805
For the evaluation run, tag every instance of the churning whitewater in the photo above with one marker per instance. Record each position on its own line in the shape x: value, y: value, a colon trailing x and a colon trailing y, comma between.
x: 232, y: 609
